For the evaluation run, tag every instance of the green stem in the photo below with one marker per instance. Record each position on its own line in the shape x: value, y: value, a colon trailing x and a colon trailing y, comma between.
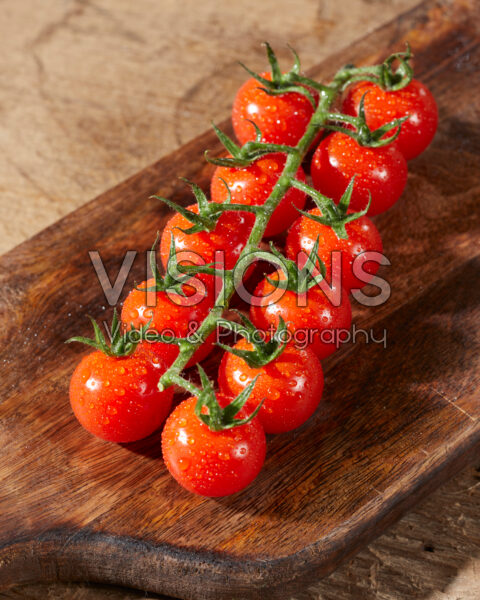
x: 176, y: 379
x: 293, y: 162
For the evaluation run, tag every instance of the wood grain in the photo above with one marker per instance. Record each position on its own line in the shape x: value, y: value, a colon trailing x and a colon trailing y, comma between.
x: 404, y: 419
x: 431, y: 553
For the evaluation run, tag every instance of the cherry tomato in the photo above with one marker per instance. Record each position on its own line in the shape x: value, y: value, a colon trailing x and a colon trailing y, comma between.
x: 382, y: 171
x: 290, y: 386
x: 363, y: 237
x: 228, y: 238
x: 282, y: 119
x: 212, y: 463
x: 117, y: 399
x: 382, y: 106
x: 319, y: 322
x: 252, y: 185
x: 171, y: 315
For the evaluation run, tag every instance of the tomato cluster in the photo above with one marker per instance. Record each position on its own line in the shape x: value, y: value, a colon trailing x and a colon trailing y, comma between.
x: 270, y: 381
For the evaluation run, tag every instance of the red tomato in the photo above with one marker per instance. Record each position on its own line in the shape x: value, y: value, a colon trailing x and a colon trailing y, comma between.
x: 212, y: 463
x: 282, y: 119
x: 252, y: 185
x: 290, y: 386
x: 117, y: 399
x: 363, y: 237
x: 229, y: 238
x: 382, y: 171
x: 319, y: 323
x: 172, y: 315
x: 382, y: 106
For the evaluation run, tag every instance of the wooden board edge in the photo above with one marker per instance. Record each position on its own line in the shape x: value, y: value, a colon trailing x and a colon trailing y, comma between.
x: 60, y: 556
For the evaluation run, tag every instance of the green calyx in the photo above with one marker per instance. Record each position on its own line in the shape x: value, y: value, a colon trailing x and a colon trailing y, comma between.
x: 361, y: 132
x: 283, y: 83
x: 333, y: 215
x: 386, y: 75
x: 208, y: 212
x: 177, y: 276
x: 121, y: 344
x: 218, y: 418
x: 173, y: 281
x: 388, y: 78
x: 243, y: 156
x: 299, y: 280
x: 264, y: 352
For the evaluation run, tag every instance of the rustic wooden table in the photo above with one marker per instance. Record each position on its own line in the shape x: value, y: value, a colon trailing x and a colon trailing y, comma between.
x: 94, y: 90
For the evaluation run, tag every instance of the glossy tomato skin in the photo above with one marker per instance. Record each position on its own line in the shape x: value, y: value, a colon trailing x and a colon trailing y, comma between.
x: 319, y: 322
x: 290, y: 386
x: 117, y: 399
x: 229, y: 238
x: 253, y: 185
x: 382, y: 106
x: 363, y: 237
x: 172, y: 315
x: 382, y: 171
x: 282, y: 119
x: 212, y: 463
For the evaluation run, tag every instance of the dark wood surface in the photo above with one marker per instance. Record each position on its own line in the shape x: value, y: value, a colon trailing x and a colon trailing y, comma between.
x: 395, y: 422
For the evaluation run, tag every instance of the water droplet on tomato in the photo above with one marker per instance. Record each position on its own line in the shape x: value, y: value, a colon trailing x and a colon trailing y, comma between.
x: 92, y: 383
x: 183, y: 464
x: 241, y: 450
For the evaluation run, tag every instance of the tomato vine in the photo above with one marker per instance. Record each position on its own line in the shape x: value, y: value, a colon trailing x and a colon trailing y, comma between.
x: 385, y: 74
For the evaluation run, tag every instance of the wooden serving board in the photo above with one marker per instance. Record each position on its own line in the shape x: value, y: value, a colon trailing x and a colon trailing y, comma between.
x: 395, y: 422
